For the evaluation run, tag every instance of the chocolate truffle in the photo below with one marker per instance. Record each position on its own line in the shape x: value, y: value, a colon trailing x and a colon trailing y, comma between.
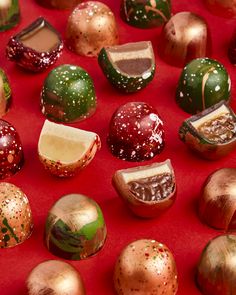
x: 36, y: 47
x: 59, y: 4
x: 211, y: 133
x: 91, y: 26
x: 15, y: 216
x: 9, y: 14
x: 55, y: 277
x: 184, y: 38
x: 5, y: 93
x: 65, y: 150
x: 216, y: 272
x: 75, y: 228
x: 129, y: 67
x: 11, y: 156
x: 232, y: 49
x: 225, y: 8
x: 217, y: 204
x: 144, y: 13
x: 68, y: 94
x: 135, y: 132
x: 203, y: 83
x: 148, y: 190
x: 146, y: 267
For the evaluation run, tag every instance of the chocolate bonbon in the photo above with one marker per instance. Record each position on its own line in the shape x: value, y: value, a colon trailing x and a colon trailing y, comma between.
x: 9, y: 14
x: 135, y: 132
x: 146, y: 267
x: 75, y: 227
x: 145, y: 14
x: 65, y: 150
x: 5, y: 93
x: 16, y: 222
x: 202, y: 83
x: 90, y: 27
x: 148, y: 190
x: 129, y: 67
x: 36, y: 47
x: 211, y: 133
x: 68, y: 94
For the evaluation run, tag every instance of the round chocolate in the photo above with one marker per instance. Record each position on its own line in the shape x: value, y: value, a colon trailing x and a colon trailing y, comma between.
x: 184, y: 37
x: 217, y: 204
x: 68, y: 94
x: 91, y: 26
x: 59, y: 4
x: 216, y: 272
x: 9, y: 14
x: 11, y: 155
x: 135, y: 132
x: 16, y: 222
x: 232, y: 49
x: 225, y: 8
x: 146, y: 267
x: 5, y: 93
x: 55, y: 277
x: 75, y: 228
x: 203, y: 83
x: 145, y: 14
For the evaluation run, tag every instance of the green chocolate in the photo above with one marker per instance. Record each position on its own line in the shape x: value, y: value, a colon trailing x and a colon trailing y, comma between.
x: 68, y: 94
x: 9, y: 14
x: 203, y: 83
x: 5, y: 93
x: 146, y: 13
x: 129, y: 67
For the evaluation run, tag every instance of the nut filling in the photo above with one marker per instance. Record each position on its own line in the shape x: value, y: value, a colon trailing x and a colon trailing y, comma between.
x: 220, y: 130
x: 153, y: 188
x: 134, y: 66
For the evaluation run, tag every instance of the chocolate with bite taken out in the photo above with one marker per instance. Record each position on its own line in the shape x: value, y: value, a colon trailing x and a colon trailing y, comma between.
x: 145, y: 14
x: 5, y: 93
x: 9, y: 14
x: 224, y: 8
x: 148, y: 190
x: 203, y: 83
x: 11, y: 156
x: 135, y: 132
x: 232, y: 49
x: 211, y: 133
x: 129, y: 67
x: 68, y: 94
x: 36, y: 47
x: 91, y: 26
x: 59, y: 4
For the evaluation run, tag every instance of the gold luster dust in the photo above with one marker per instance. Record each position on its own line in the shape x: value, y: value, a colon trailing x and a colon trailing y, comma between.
x: 55, y: 277
x: 91, y: 26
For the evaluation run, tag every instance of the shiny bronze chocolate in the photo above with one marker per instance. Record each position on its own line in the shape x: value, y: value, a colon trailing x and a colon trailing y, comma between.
x: 91, y: 26
x: 54, y: 277
x: 224, y: 8
x: 145, y: 267
x: 217, y: 204
x: 59, y: 4
x: 184, y: 37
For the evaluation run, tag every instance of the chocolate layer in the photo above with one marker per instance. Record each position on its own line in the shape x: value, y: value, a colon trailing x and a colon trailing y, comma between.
x: 134, y: 66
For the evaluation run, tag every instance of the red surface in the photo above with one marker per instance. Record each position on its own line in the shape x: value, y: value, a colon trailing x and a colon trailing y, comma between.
x: 179, y: 228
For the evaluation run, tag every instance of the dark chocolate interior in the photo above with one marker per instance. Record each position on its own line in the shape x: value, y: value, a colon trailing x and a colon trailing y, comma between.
x: 153, y: 188
x: 135, y: 66
x: 219, y: 130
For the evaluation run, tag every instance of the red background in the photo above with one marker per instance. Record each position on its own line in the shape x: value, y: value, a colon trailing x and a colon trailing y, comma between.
x: 179, y: 228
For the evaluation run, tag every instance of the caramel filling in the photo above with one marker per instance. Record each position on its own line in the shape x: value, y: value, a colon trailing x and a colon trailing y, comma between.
x: 134, y: 66
x: 219, y: 130
x: 40, y: 39
x: 154, y: 188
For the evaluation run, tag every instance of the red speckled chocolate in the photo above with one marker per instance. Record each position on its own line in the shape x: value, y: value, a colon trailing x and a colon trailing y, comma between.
x: 136, y: 132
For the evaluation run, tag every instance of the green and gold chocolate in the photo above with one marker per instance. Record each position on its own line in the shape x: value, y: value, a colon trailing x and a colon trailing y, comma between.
x: 211, y: 133
x: 203, y: 83
x: 5, y: 93
x: 146, y: 13
x: 9, y: 14
x: 128, y: 67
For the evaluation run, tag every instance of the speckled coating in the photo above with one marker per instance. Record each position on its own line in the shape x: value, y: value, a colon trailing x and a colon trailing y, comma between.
x: 203, y: 83
x: 11, y: 155
x: 5, y: 93
x: 9, y: 14
x: 146, y: 13
x: 135, y: 132
x: 122, y: 80
x: 146, y: 267
x: 15, y: 216
x: 68, y: 94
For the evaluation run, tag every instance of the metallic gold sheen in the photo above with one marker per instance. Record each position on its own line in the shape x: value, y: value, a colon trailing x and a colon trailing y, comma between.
x: 225, y: 8
x: 54, y: 277
x: 184, y: 37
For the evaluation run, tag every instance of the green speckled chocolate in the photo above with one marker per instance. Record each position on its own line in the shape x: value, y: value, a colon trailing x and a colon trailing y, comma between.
x: 203, y: 83
x: 146, y: 13
x: 128, y: 67
x: 5, y: 93
x: 9, y: 14
x: 68, y: 94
